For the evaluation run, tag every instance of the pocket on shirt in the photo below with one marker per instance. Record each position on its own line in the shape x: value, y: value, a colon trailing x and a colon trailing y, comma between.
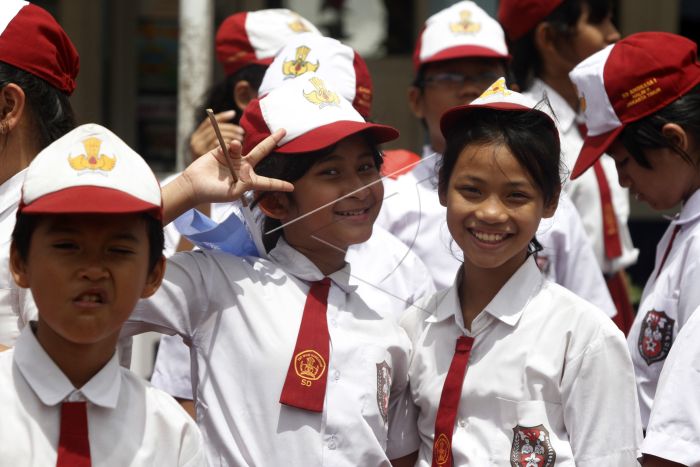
x: 375, y: 408
x: 657, y: 330
x: 532, y: 434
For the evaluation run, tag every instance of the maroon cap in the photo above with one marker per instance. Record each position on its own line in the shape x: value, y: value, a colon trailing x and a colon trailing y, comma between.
x: 518, y: 17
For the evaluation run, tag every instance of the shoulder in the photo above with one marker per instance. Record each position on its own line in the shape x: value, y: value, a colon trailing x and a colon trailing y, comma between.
x: 414, y: 318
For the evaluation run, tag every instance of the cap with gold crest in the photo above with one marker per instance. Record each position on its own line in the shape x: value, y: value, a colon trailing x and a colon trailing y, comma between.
x: 463, y: 30
x: 32, y: 40
x: 314, y: 114
x: 90, y: 170
x: 496, y: 97
x: 331, y: 60
x: 253, y: 37
x: 627, y: 81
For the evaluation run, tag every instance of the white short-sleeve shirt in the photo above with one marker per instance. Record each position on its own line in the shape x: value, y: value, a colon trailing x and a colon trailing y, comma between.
x: 413, y: 213
x: 673, y: 432
x: 542, y: 358
x: 241, y: 317
x: 130, y: 423
x: 584, y: 191
x: 667, y: 302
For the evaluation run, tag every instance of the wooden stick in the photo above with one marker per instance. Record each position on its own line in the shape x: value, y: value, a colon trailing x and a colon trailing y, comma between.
x: 224, y: 148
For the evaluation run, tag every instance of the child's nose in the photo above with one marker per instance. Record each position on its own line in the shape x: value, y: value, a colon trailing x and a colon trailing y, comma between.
x: 623, y: 179
x: 492, y: 211
x: 93, y: 269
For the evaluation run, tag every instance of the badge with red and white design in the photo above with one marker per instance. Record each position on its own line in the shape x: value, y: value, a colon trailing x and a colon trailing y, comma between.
x: 655, y: 336
x: 531, y: 447
x: 383, y: 389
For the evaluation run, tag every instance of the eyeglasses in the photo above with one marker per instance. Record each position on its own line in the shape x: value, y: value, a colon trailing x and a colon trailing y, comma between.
x: 457, y: 80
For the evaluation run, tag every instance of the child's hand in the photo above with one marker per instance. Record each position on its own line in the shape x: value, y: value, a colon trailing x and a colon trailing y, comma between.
x: 204, y: 138
x: 209, y: 179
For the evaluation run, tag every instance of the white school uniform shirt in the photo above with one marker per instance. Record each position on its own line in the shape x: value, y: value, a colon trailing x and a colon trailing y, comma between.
x: 667, y: 302
x: 241, y: 317
x: 542, y: 357
x: 673, y: 432
x: 413, y: 213
x: 130, y: 423
x: 584, y: 190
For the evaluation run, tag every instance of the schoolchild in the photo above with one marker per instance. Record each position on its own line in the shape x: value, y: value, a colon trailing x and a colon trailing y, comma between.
x: 642, y: 103
x: 548, y: 38
x: 509, y: 368
x: 290, y: 366
x: 87, y: 243
x: 460, y: 52
x: 38, y: 68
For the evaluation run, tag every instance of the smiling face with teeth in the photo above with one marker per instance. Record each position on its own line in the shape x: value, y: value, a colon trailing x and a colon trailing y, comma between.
x: 86, y: 273
x: 493, y: 208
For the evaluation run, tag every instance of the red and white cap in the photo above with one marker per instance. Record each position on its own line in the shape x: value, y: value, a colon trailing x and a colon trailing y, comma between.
x: 497, y: 97
x: 32, y: 40
x: 463, y: 30
x: 627, y: 81
x: 518, y: 17
x: 332, y: 61
x: 90, y: 170
x: 314, y: 114
x: 254, y: 37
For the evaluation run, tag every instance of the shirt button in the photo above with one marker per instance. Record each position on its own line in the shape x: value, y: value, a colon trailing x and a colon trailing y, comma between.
x: 336, y: 375
x: 334, y: 323
x: 462, y: 423
x: 332, y: 445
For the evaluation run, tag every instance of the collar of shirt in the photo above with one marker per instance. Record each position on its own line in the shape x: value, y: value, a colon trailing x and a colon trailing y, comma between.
x: 11, y: 192
x: 52, y: 386
x: 508, y: 304
x: 300, y: 266
x: 690, y: 212
x: 564, y: 115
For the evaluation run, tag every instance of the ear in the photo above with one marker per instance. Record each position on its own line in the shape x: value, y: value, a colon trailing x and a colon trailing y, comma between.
x: 18, y: 268
x: 275, y: 205
x: 415, y: 101
x: 442, y: 195
x: 154, y: 279
x: 243, y: 93
x: 551, y: 207
x: 676, y: 135
x: 12, y: 102
x: 545, y: 42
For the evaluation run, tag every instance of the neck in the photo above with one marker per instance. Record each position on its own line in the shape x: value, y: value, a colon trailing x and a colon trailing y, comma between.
x: 327, y: 260
x: 79, y: 362
x: 563, y: 86
x: 15, y: 155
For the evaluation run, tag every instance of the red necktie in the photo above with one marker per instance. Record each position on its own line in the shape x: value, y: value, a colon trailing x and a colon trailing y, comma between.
x: 449, y: 403
x: 73, y: 442
x: 611, y: 234
x: 305, y: 386
x: 668, y: 249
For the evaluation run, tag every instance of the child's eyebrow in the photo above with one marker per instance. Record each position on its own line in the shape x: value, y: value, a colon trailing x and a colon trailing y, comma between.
x: 338, y: 157
x: 510, y: 184
x: 66, y: 229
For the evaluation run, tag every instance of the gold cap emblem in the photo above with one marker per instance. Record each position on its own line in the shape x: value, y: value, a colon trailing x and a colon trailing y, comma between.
x: 499, y: 87
x: 465, y: 25
x: 299, y: 65
x: 298, y: 25
x: 321, y: 96
x: 92, y: 159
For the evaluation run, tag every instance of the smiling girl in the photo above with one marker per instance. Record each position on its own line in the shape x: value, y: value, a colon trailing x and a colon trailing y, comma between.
x: 290, y: 366
x: 510, y: 369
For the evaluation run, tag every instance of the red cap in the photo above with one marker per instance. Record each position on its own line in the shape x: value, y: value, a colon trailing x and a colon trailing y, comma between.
x: 255, y: 37
x: 518, y: 17
x: 313, y: 113
x: 32, y: 40
x: 627, y: 81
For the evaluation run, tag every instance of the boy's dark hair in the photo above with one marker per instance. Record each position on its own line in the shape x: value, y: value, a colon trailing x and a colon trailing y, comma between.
x: 529, y: 135
x: 290, y: 168
x: 645, y: 134
x: 219, y: 97
x: 527, y: 63
x: 49, y: 108
x: 26, y: 224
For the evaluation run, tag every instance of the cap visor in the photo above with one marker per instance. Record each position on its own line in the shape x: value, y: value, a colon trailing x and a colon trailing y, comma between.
x: 593, y: 147
x: 328, y: 135
x: 90, y: 200
x: 465, y: 51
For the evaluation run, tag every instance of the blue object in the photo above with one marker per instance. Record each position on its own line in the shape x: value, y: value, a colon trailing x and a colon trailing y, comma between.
x: 231, y: 235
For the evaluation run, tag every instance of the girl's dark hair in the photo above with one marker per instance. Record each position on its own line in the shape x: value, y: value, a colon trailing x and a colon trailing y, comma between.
x: 49, y: 108
x: 644, y: 134
x: 220, y: 96
x: 527, y: 63
x: 290, y: 168
x: 530, y: 136
x: 26, y: 224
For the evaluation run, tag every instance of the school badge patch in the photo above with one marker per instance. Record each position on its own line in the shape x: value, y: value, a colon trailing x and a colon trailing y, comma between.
x: 655, y: 336
x: 383, y: 389
x: 531, y: 447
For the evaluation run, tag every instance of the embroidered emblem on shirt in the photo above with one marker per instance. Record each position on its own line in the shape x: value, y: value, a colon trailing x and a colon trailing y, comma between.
x: 442, y: 448
x: 465, y: 25
x: 92, y: 159
x: 531, y: 447
x: 309, y: 366
x: 299, y: 65
x: 655, y: 336
x: 383, y: 389
x: 321, y: 96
